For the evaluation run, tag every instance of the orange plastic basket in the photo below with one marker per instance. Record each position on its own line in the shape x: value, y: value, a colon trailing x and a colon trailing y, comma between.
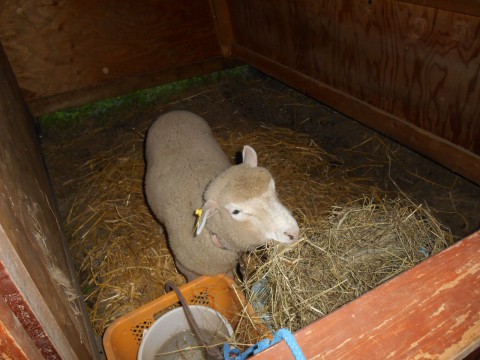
x: 122, y: 338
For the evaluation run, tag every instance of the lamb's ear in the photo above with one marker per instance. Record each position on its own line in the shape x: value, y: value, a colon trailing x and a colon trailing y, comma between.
x: 249, y: 156
x: 207, y: 210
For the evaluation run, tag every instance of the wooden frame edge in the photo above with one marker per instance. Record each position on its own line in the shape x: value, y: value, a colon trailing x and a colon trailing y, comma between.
x: 467, y: 7
x: 15, y: 343
x: 22, y: 310
x: 223, y: 25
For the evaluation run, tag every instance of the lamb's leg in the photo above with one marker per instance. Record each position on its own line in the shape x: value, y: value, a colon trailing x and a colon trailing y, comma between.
x: 190, y: 275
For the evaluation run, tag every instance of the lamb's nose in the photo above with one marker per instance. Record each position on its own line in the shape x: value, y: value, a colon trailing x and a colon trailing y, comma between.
x: 292, y: 234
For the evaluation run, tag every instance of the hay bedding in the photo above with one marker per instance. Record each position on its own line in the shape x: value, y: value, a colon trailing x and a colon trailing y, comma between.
x: 353, y: 236
x: 357, y: 247
x: 125, y: 260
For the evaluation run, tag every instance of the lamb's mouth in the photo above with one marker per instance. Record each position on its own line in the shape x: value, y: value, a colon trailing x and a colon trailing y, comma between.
x: 284, y: 241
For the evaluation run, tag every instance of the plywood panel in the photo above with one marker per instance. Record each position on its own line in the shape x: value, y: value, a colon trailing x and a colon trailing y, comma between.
x: 431, y: 311
x: 417, y: 63
x: 62, y: 47
x: 454, y: 157
x: 36, y: 276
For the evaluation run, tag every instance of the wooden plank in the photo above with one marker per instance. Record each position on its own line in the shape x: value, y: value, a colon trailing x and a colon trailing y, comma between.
x: 38, y: 280
x: 416, y: 63
x: 450, y: 155
x: 223, y: 24
x: 21, y: 309
x: 61, y: 47
x: 9, y: 349
x: 122, y: 86
x: 432, y: 311
x: 15, y: 343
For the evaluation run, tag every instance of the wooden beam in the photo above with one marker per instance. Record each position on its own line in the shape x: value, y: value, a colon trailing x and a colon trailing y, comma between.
x: 431, y: 311
x: 15, y: 343
x: 467, y: 7
x: 45, y: 105
x: 223, y: 25
x: 19, y: 307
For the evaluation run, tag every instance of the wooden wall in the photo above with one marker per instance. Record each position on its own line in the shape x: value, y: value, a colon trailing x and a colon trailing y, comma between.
x: 69, y: 52
x: 38, y: 285
x: 408, y: 69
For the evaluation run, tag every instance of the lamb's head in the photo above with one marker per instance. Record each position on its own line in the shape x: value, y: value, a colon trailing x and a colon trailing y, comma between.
x: 242, y: 210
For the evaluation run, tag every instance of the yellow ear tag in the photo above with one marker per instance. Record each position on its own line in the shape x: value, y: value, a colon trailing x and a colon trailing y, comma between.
x: 198, y: 213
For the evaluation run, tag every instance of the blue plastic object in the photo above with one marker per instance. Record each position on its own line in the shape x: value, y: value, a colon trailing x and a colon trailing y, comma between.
x: 230, y: 353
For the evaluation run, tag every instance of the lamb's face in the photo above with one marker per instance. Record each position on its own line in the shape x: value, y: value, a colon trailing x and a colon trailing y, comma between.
x: 249, y: 213
x: 260, y: 219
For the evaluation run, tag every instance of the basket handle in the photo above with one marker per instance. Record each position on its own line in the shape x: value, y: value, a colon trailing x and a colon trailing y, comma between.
x: 213, y: 352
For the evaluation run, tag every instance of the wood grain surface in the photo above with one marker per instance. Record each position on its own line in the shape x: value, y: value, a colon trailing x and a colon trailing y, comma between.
x: 418, y: 63
x: 37, y: 279
x: 432, y: 311
x: 61, y: 47
x: 468, y: 7
x: 454, y: 157
x: 15, y: 343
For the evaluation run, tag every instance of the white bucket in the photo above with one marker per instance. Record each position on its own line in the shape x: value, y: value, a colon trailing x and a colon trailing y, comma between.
x: 171, y: 333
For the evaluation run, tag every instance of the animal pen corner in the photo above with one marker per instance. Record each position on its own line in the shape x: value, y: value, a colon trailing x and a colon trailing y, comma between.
x: 408, y: 69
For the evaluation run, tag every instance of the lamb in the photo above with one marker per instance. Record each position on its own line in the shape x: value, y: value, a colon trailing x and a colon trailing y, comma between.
x: 238, y: 209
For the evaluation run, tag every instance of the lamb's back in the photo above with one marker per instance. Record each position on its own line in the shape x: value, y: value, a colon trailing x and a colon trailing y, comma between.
x: 182, y: 158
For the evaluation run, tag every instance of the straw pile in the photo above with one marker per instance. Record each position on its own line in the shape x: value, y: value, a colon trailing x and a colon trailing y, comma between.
x: 357, y: 247
x: 125, y: 261
x: 123, y: 255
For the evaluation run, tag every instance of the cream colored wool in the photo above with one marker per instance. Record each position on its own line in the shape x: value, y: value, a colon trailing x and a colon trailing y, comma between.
x: 187, y: 170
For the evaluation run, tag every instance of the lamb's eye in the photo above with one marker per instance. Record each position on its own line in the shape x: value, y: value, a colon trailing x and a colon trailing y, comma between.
x: 236, y: 212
